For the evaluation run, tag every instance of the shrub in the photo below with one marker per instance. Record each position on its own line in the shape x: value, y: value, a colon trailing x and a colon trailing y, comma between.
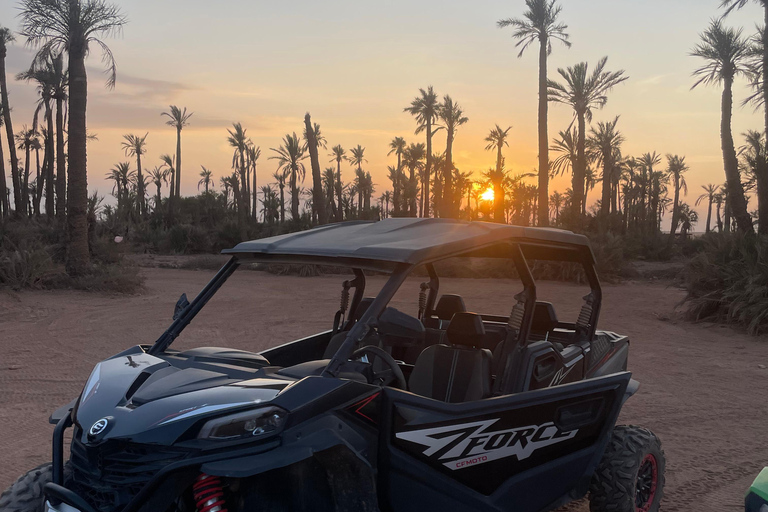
x: 24, y: 267
x: 728, y: 282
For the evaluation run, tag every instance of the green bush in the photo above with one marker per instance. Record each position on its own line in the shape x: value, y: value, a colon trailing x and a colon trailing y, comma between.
x: 24, y: 267
x: 728, y: 282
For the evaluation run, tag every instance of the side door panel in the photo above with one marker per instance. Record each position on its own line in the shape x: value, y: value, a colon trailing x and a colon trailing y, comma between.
x: 522, y: 452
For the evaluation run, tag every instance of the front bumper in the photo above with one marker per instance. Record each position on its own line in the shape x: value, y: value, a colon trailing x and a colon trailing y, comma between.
x: 61, y: 507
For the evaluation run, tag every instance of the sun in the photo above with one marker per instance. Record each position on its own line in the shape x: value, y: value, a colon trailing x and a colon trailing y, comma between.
x: 487, y: 195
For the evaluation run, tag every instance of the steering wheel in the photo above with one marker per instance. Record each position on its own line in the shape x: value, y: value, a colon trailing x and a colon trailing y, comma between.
x: 394, y: 369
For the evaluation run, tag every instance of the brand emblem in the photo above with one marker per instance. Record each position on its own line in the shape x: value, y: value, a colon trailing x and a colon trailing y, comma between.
x: 99, y: 427
x: 469, y: 444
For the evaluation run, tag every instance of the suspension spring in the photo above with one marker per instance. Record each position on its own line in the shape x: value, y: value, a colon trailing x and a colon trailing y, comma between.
x: 209, y: 494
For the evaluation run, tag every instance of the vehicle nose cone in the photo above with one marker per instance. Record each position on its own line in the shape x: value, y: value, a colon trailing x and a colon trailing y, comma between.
x: 100, y: 428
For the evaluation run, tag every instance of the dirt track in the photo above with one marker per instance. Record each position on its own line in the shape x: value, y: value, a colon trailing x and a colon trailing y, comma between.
x: 703, y: 388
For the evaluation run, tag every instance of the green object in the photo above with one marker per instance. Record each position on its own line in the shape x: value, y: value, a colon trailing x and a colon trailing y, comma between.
x: 760, y: 485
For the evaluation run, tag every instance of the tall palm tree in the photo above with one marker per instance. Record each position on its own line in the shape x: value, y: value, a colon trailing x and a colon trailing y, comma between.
x: 289, y: 156
x: 314, y: 140
x: 710, y: 192
x: 205, y: 179
x: 754, y: 155
x: 178, y: 118
x: 397, y: 146
x: 676, y: 167
x: 583, y: 92
x: 60, y: 80
x: 5, y: 206
x: 169, y: 162
x: 540, y: 23
x: 6, y: 37
x: 413, y: 159
x: 725, y: 52
x: 329, y: 189
x: 356, y: 159
x: 253, y: 154
x: 761, y: 81
x: 281, y: 176
x: 425, y: 109
x: 238, y: 140
x: 605, y: 143
x: 42, y: 73
x: 338, y: 153
x: 133, y: 145
x: 158, y: 175
x: 497, y: 139
x: 72, y: 25
x: 565, y: 144
x: 25, y: 140
x: 452, y: 116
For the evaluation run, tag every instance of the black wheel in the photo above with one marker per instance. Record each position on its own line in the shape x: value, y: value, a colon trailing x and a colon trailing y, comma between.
x: 630, y: 477
x: 26, y: 493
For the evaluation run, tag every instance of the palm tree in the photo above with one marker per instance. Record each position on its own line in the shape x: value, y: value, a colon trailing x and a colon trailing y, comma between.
x: 755, y: 162
x: 5, y: 207
x: 205, y: 179
x: 178, y: 118
x: 356, y: 159
x: 676, y: 166
x: 540, y: 24
x: 42, y: 73
x: 583, y: 92
x: 605, y: 143
x: 170, y: 169
x: 314, y: 140
x: 453, y: 117
x: 329, y: 188
x: 565, y: 144
x: 338, y: 153
x: 397, y: 146
x: 725, y: 51
x: 289, y: 156
x: 238, y: 140
x: 253, y: 154
x: 122, y: 175
x: 497, y: 139
x: 71, y: 25
x: 413, y: 158
x: 133, y: 145
x: 385, y: 199
x: 556, y: 201
x: 761, y: 80
x: 281, y: 176
x: 6, y: 37
x: 25, y: 140
x: 710, y: 192
x: 425, y: 109
x: 158, y: 175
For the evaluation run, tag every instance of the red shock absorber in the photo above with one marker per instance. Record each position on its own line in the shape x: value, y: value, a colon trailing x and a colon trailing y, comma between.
x: 209, y: 494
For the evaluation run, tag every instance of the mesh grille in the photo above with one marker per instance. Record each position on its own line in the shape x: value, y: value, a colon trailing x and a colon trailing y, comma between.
x: 108, y: 476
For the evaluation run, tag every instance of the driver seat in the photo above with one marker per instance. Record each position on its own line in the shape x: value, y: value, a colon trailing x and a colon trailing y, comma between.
x: 457, y: 373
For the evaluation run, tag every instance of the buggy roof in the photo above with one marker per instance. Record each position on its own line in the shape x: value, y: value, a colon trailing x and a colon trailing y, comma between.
x: 413, y: 241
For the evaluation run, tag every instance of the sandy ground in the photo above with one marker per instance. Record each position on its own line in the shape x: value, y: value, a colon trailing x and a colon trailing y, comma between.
x: 703, y: 387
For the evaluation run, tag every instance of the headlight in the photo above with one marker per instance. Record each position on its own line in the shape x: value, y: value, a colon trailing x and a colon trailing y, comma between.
x: 255, y: 423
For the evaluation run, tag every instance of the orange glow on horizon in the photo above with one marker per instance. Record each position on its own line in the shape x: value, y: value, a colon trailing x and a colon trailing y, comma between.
x: 487, y: 195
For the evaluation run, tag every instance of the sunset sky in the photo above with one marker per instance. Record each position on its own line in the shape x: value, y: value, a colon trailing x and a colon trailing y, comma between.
x: 354, y: 65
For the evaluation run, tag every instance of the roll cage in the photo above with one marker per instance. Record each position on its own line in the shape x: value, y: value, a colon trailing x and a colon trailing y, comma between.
x: 518, y: 250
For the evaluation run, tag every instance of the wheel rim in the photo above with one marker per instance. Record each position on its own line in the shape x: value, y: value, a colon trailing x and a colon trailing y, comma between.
x: 647, y: 480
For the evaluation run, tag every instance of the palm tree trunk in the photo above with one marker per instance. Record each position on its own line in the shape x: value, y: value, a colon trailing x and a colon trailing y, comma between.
x: 318, y: 199
x: 412, y: 181
x: 605, y: 199
x: 765, y: 69
x: 579, y: 191
x: 339, y: 211
x: 448, y: 209
x: 25, y: 184
x: 49, y: 184
x: 709, y: 215
x: 15, y: 178
x: 4, y: 203
x: 178, y: 162
x: 255, y: 208
x: 675, y: 212
x: 294, y: 195
x: 282, y: 203
x: 428, y: 170
x: 140, y: 185
x: 737, y: 201
x: 77, y: 205
x: 543, y: 135
x: 61, y: 165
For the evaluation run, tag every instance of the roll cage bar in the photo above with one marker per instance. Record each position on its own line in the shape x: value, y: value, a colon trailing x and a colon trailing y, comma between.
x: 520, y: 318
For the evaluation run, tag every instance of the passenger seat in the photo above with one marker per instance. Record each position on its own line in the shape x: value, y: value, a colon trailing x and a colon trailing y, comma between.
x: 457, y: 373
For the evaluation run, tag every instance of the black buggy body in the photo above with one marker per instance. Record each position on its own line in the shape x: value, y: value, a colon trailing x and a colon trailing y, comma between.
x: 441, y: 410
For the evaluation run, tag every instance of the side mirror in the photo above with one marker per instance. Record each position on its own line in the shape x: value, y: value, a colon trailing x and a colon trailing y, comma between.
x: 181, y: 305
x: 401, y: 325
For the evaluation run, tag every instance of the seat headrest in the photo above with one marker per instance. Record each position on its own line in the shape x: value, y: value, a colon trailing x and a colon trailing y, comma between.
x: 449, y: 305
x: 362, y: 308
x: 466, y: 329
x: 544, y: 317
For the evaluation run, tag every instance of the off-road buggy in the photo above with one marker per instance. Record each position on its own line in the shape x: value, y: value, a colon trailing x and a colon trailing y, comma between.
x: 442, y: 410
